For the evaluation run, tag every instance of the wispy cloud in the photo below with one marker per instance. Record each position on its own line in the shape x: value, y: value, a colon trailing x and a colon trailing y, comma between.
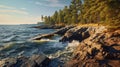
x: 23, y: 8
x: 51, y: 3
x: 14, y: 15
x: 13, y: 11
x: 38, y: 3
x: 12, y: 19
x: 10, y: 9
x: 7, y: 7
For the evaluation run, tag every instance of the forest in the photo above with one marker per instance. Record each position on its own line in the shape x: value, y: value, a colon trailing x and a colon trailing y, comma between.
x: 105, y: 12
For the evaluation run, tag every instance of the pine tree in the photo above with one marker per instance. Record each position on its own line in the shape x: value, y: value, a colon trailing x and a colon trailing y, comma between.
x: 60, y: 17
x: 42, y: 18
x: 88, y: 11
x: 55, y: 16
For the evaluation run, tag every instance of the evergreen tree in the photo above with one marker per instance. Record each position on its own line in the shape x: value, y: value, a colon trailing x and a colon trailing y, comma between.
x: 87, y: 11
x: 60, y: 17
x: 55, y: 17
x: 42, y: 18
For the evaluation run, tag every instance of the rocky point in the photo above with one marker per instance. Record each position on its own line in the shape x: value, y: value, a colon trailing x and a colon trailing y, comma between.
x: 97, y: 48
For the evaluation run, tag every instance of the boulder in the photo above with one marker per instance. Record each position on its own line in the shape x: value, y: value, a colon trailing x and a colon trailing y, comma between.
x: 22, y: 61
x: 37, y: 61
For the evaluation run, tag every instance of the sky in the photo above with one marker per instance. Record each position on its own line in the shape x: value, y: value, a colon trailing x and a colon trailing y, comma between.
x: 28, y: 11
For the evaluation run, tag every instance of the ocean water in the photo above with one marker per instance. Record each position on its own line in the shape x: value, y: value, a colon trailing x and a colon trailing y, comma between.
x: 15, y: 41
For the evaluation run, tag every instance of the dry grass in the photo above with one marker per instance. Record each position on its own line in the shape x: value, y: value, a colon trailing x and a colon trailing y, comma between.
x: 96, y: 25
x: 113, y: 28
x: 93, y: 25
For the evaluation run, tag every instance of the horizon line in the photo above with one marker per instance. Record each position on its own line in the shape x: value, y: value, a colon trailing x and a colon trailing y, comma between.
x: 17, y: 24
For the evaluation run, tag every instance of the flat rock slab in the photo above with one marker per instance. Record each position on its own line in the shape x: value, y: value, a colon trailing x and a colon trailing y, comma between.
x: 61, y: 31
x: 33, y: 61
x: 42, y: 36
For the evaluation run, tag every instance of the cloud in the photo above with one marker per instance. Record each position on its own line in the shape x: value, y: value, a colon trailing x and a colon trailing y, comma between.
x: 38, y: 3
x: 13, y: 15
x: 13, y: 11
x: 9, y: 9
x: 13, y: 19
x: 51, y: 3
x: 56, y: 5
x: 23, y: 8
x: 4, y: 6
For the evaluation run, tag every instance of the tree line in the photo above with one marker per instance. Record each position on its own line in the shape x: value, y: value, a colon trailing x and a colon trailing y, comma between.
x: 87, y: 11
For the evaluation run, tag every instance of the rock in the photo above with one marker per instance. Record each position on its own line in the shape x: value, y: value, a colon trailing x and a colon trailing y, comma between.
x: 37, y: 60
x: 80, y: 33
x: 102, y: 49
x: 43, y: 36
x: 8, y: 62
x: 61, y: 31
x: 22, y: 61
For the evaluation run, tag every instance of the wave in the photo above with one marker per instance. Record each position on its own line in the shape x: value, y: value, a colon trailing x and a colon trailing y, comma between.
x: 7, y: 46
x: 45, y: 40
x: 49, y: 40
x: 9, y: 39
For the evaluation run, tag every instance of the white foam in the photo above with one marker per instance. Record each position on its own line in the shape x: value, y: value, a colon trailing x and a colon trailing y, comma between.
x: 9, y: 38
x: 49, y: 40
x: 44, y: 40
x: 73, y: 44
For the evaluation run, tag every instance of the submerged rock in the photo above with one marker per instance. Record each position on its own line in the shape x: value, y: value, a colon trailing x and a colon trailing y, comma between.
x: 101, y: 49
x: 33, y: 61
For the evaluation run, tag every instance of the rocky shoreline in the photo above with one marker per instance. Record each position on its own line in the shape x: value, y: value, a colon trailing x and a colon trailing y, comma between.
x: 96, y: 47
x: 99, y: 50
